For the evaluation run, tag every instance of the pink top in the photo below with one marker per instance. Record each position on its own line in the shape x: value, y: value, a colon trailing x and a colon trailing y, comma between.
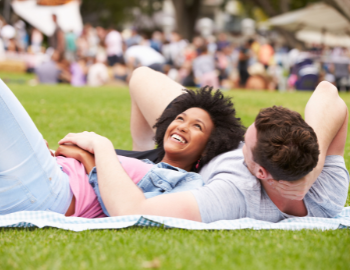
x: 136, y: 169
x: 86, y: 203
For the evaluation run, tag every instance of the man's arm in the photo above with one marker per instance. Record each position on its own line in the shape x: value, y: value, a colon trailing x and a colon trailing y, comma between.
x: 327, y: 114
x: 120, y: 195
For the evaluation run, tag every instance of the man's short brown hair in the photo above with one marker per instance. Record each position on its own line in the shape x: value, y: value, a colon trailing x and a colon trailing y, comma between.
x: 286, y: 145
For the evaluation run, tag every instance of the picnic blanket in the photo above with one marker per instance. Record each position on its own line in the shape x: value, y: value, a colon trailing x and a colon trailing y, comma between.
x: 49, y: 219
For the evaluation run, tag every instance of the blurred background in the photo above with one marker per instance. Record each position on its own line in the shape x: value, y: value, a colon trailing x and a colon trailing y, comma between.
x: 278, y: 45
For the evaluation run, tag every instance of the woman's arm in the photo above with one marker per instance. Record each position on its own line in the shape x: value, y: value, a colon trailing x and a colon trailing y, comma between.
x: 72, y: 151
x: 120, y: 195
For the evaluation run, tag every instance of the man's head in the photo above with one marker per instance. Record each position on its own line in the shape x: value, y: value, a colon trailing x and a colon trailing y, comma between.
x: 280, y: 145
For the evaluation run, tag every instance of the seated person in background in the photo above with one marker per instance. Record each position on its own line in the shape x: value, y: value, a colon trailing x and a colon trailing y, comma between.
x: 98, y: 72
x: 204, y: 68
x: 48, y: 72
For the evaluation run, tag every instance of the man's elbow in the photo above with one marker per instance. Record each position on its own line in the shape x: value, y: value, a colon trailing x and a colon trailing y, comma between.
x: 327, y: 88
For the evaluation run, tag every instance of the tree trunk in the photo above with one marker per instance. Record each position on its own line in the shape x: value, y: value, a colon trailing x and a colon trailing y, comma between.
x: 284, y: 6
x: 187, y: 12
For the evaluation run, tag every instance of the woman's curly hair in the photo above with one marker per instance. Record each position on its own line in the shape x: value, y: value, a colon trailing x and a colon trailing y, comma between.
x: 228, y: 130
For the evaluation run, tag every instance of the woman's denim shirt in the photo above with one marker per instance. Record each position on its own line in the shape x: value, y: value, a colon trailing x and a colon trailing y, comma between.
x: 162, y: 178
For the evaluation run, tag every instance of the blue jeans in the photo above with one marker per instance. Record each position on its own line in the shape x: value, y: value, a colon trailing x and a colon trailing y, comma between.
x: 30, y: 178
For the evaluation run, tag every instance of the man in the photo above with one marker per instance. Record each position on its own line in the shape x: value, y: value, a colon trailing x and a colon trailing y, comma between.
x: 243, y: 182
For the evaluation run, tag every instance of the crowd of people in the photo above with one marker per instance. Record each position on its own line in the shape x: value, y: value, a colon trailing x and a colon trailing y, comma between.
x: 100, y: 56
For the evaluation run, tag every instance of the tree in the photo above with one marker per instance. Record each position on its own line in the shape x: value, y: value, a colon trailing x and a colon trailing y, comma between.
x: 187, y: 13
x: 115, y: 12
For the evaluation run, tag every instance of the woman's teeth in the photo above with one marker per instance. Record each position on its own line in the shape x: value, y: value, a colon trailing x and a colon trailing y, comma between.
x: 178, y: 138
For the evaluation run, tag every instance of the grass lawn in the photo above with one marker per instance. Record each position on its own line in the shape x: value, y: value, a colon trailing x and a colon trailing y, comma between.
x: 57, y: 110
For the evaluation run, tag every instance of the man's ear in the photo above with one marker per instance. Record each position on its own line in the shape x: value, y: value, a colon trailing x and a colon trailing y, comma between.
x: 263, y: 174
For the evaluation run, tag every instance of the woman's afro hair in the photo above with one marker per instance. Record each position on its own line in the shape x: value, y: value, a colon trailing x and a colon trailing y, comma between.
x: 228, y: 130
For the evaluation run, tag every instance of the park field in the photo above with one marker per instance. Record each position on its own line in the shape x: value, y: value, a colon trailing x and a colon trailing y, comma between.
x: 58, y: 110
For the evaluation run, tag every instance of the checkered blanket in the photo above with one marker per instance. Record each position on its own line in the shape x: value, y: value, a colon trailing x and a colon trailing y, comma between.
x: 49, y: 219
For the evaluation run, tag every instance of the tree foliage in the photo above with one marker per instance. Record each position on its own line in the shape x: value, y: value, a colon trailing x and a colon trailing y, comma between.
x: 116, y: 12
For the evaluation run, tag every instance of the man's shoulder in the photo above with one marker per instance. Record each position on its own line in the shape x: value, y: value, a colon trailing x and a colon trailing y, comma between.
x: 229, y: 165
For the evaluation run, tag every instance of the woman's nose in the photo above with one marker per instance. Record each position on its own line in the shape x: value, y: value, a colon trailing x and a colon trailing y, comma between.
x: 183, y: 127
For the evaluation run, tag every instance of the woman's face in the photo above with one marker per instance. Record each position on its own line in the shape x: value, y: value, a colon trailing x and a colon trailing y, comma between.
x: 187, y: 136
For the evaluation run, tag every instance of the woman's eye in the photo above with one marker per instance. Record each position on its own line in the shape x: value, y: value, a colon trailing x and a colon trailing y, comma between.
x: 198, y: 126
x: 180, y: 118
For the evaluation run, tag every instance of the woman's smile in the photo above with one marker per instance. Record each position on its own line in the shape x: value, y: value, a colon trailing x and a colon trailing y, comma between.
x: 178, y: 138
x: 187, y: 136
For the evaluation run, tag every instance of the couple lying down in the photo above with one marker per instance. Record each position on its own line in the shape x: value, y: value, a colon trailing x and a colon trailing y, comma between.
x: 286, y: 167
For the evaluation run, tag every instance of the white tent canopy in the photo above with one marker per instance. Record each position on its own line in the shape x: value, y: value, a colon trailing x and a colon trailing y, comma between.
x: 317, y: 17
x: 323, y: 38
x: 68, y: 16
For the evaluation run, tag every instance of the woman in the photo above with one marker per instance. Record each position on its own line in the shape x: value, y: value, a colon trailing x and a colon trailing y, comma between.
x: 196, y: 127
x: 30, y: 179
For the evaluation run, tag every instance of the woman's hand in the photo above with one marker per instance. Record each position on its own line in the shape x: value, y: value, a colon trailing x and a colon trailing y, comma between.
x: 72, y: 151
x: 85, y: 140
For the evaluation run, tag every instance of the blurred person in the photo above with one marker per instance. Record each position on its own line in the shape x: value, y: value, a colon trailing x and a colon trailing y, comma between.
x: 189, y: 53
x: 82, y: 45
x: 186, y: 75
x: 92, y: 39
x: 36, y: 40
x: 98, y: 73
x: 12, y: 48
x: 78, y: 72
x: 340, y: 67
x: 156, y: 41
x: 8, y: 32
x: 204, y: 69
x: 198, y: 42
x: 212, y: 46
x: 48, y: 72
x: 65, y: 68
x: 226, y: 61
x: 244, y: 57
x: 265, y: 54
x: 114, y: 47
x: 134, y: 38
x: 101, y: 33
x: 21, y: 35
x: 222, y: 41
x: 121, y: 72
x: 176, y: 47
x: 57, y: 40
x: 141, y: 55
x: 71, y: 46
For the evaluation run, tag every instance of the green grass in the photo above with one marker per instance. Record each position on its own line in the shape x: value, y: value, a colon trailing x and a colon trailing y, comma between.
x: 57, y: 110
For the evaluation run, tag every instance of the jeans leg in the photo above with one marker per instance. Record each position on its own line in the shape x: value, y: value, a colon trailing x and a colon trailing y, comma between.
x: 30, y: 178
